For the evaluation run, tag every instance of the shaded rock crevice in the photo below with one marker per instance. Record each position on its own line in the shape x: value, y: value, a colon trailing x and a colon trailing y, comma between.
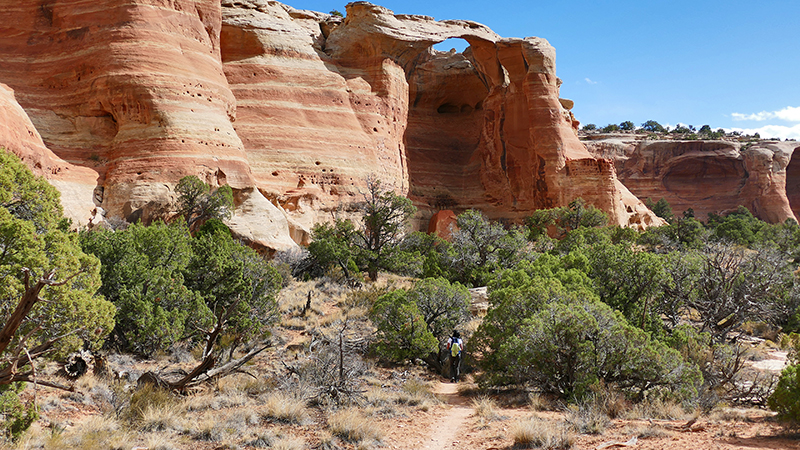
x: 793, y: 182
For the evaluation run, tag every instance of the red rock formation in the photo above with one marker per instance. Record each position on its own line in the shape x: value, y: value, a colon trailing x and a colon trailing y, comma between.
x: 132, y: 89
x: 323, y: 104
x: 442, y: 223
x: 313, y: 129
x: 708, y: 176
x: 19, y: 136
x: 793, y: 181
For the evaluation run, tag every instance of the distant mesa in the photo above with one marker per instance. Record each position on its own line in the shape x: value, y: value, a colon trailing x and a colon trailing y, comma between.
x: 708, y: 176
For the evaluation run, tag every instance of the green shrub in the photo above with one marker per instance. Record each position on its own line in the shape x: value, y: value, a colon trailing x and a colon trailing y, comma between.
x: 482, y: 247
x: 515, y: 296
x: 402, y: 331
x: 34, y: 235
x: 167, y: 285
x: 142, y: 275
x: 565, y: 218
x: 566, y: 348
x: 444, y: 306
x: 786, y: 398
x: 16, y: 417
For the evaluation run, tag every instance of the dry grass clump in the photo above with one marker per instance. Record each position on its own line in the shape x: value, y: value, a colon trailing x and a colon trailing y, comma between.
x: 587, y: 418
x: 162, y: 417
x: 284, y: 407
x: 273, y: 440
x: 363, y: 298
x: 351, y: 425
x: 327, y: 441
x: 382, y: 400
x: 229, y: 426
x: 246, y: 384
x: 468, y: 388
x: 332, y: 285
x: 606, y: 399
x: 657, y: 409
x: 732, y: 415
x: 262, y: 440
x: 647, y: 431
x: 216, y: 400
x: 293, y: 323
x: 289, y: 443
x: 208, y: 430
x: 159, y: 441
x: 538, y: 433
x: 538, y: 402
x: 97, y: 433
x: 760, y: 329
x: 293, y: 301
x: 486, y: 408
x: 151, y: 409
x: 376, y: 396
x: 415, y: 392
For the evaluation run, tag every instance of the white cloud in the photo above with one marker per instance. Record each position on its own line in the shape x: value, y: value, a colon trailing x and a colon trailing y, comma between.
x: 789, y: 114
x: 771, y: 131
x: 588, y: 80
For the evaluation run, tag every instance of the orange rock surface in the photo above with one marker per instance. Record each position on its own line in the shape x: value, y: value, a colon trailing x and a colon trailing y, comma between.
x: 324, y: 103
x: 442, y: 223
x: 709, y: 176
x: 295, y: 110
x: 19, y: 136
x: 131, y: 89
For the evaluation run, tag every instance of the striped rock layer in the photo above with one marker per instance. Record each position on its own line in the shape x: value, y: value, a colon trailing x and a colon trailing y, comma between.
x: 295, y: 110
x: 324, y: 103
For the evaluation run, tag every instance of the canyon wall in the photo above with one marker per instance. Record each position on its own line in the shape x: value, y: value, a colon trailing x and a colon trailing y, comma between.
x: 709, y: 176
x: 324, y: 103
x: 294, y: 110
x: 20, y: 137
x: 132, y: 90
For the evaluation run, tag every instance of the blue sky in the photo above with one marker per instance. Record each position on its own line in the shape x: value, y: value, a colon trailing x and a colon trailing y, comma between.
x: 729, y: 64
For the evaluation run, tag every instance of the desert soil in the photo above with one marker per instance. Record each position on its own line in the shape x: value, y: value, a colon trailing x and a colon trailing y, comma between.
x: 452, y: 422
x: 455, y: 425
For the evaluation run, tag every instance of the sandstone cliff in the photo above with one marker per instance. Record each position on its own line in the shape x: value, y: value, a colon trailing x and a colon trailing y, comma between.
x: 19, y: 136
x: 323, y: 103
x: 134, y: 91
x: 709, y: 176
x: 294, y: 110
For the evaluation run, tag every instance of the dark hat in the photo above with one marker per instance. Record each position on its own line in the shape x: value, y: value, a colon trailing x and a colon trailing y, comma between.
x: 456, y: 334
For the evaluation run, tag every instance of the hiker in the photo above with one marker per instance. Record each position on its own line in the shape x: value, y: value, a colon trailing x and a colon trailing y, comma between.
x: 456, y: 346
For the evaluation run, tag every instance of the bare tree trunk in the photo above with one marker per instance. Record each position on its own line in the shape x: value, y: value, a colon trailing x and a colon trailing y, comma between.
x: 21, y: 356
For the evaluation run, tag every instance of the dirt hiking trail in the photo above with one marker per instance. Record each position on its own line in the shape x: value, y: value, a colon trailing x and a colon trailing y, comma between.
x: 450, y: 429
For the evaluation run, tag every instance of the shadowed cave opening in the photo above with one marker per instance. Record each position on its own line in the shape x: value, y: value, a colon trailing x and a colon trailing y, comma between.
x: 793, y: 182
x: 698, y: 177
x: 443, y: 135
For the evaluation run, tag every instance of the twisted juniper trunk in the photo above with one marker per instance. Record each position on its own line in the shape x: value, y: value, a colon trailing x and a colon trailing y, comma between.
x: 433, y: 360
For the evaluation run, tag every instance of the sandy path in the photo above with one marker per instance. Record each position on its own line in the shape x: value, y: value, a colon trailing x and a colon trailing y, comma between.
x: 448, y: 431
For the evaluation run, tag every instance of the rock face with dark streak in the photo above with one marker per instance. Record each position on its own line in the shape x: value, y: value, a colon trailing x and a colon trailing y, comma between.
x: 709, y: 176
